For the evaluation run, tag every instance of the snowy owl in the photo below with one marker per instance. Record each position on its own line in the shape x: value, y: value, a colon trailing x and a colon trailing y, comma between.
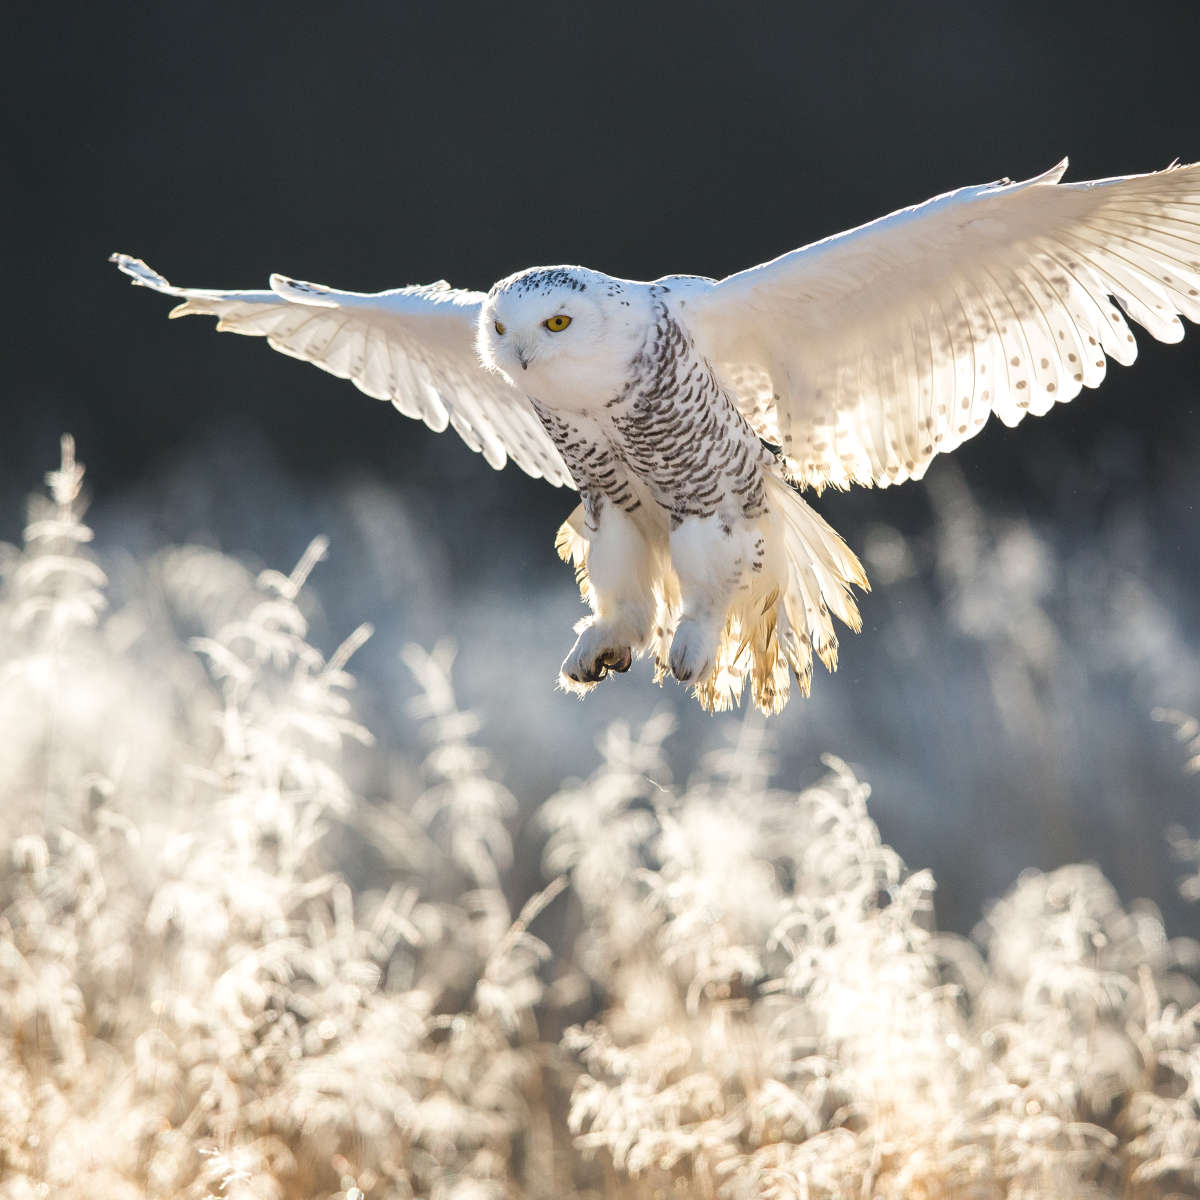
x: 687, y: 412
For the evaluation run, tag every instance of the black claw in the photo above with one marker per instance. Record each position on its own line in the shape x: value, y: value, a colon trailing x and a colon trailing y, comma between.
x: 618, y: 660
x: 611, y: 660
x: 681, y: 673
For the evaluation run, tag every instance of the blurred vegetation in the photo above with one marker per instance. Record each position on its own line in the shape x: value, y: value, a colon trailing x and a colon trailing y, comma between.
x: 235, y: 963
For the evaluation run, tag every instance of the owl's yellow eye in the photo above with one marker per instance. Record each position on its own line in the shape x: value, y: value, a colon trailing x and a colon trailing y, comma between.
x: 557, y: 324
x: 500, y: 329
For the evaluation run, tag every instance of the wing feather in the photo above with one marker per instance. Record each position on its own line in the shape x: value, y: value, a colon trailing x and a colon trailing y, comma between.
x: 414, y: 346
x: 867, y: 354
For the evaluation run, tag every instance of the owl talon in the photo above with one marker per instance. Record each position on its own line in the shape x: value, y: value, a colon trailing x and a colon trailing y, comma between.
x: 618, y: 660
x: 591, y: 660
x: 693, y: 652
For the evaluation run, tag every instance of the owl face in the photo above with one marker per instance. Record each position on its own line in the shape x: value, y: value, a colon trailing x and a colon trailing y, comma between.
x: 557, y: 334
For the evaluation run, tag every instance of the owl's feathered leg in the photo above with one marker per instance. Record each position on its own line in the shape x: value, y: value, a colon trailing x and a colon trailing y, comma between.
x: 758, y: 597
x: 715, y: 558
x: 616, y: 565
x: 735, y: 600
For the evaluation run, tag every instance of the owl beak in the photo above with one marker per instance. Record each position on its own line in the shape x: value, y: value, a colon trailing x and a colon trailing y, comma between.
x: 522, y: 358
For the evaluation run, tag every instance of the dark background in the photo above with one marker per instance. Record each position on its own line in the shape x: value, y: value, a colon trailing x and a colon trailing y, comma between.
x: 373, y: 145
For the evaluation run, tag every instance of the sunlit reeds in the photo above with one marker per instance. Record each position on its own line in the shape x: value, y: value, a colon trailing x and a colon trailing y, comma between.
x: 226, y: 970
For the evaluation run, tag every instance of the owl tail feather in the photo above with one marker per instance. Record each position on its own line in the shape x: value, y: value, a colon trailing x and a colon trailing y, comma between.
x: 774, y: 633
x: 775, y: 625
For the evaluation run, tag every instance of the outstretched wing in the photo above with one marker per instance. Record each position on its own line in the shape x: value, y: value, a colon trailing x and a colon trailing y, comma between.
x: 868, y: 353
x: 414, y: 346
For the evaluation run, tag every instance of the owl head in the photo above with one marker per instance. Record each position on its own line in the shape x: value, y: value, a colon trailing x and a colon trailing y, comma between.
x: 564, y: 335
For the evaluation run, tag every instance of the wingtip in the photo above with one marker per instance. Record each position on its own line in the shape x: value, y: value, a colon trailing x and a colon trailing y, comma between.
x: 128, y: 263
x: 142, y: 274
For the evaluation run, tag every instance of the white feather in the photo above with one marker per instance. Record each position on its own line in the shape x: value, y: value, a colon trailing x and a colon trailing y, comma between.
x: 866, y: 354
x: 414, y: 346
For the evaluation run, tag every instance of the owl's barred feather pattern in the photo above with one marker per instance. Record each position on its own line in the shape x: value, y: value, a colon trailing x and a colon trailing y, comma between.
x: 684, y: 409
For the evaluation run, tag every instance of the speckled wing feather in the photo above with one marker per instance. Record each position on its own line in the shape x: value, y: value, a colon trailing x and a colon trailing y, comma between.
x: 414, y: 346
x: 867, y: 354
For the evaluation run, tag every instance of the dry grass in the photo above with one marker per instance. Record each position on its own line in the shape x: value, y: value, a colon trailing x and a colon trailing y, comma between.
x: 737, y: 989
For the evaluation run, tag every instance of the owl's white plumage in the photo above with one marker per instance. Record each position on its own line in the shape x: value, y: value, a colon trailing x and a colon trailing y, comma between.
x: 584, y: 364
x: 860, y: 357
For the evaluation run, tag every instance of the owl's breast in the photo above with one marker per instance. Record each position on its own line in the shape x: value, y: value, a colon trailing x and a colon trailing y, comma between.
x: 682, y: 435
x: 664, y: 434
